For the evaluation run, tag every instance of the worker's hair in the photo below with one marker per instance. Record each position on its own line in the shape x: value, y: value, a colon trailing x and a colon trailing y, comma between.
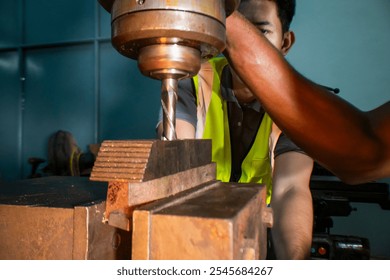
x: 286, y: 11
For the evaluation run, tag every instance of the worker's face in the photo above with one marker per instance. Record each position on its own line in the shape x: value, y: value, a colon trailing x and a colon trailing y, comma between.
x: 264, y: 15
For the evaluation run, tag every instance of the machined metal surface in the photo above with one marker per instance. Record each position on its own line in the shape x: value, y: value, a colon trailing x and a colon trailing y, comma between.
x: 137, y: 30
x: 230, y: 5
x: 144, y: 160
x: 213, y: 221
x: 170, y: 61
x: 198, y: 25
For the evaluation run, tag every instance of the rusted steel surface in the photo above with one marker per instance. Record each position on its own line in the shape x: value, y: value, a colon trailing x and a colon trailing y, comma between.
x: 58, y: 218
x: 118, y: 212
x: 123, y: 197
x: 144, y: 160
x: 140, y: 193
x: 28, y: 233
x: 213, y: 221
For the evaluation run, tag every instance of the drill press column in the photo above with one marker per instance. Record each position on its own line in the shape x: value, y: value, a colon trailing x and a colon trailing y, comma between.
x: 169, y: 39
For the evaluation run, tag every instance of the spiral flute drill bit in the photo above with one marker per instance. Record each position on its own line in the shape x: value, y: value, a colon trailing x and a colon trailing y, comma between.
x: 168, y: 104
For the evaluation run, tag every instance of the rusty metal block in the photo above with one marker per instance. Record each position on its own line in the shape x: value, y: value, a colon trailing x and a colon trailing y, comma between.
x: 212, y: 221
x: 142, y: 171
x: 58, y: 218
x: 144, y: 160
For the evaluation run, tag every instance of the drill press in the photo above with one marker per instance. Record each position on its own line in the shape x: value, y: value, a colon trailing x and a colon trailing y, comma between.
x: 158, y: 184
x: 169, y: 39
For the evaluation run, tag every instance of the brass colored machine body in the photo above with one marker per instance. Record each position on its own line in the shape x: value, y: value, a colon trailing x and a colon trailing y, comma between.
x: 169, y: 39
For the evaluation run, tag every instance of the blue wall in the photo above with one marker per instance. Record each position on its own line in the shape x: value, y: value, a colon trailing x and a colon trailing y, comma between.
x: 58, y: 70
x: 345, y: 44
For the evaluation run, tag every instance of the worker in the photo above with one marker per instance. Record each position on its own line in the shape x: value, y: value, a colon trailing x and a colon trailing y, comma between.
x: 246, y: 146
x: 352, y: 144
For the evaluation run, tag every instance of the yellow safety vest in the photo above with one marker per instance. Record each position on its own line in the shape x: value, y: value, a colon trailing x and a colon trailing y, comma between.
x: 256, y: 167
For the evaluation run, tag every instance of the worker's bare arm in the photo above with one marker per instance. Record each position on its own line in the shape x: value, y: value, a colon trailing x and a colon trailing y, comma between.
x: 292, y: 206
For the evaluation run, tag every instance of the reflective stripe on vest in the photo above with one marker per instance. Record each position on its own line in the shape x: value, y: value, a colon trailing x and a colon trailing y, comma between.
x: 256, y: 167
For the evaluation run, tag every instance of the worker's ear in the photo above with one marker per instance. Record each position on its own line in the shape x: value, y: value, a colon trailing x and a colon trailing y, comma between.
x: 288, y: 41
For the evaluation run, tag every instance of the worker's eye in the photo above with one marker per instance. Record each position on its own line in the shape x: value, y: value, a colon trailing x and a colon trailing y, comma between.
x: 264, y: 31
x: 263, y: 27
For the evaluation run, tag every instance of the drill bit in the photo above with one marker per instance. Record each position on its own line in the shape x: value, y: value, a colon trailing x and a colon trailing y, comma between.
x: 168, y: 104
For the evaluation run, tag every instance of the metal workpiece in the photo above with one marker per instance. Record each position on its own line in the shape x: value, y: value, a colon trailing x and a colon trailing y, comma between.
x: 137, y: 161
x: 142, y: 171
x: 124, y: 197
x: 169, y: 39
